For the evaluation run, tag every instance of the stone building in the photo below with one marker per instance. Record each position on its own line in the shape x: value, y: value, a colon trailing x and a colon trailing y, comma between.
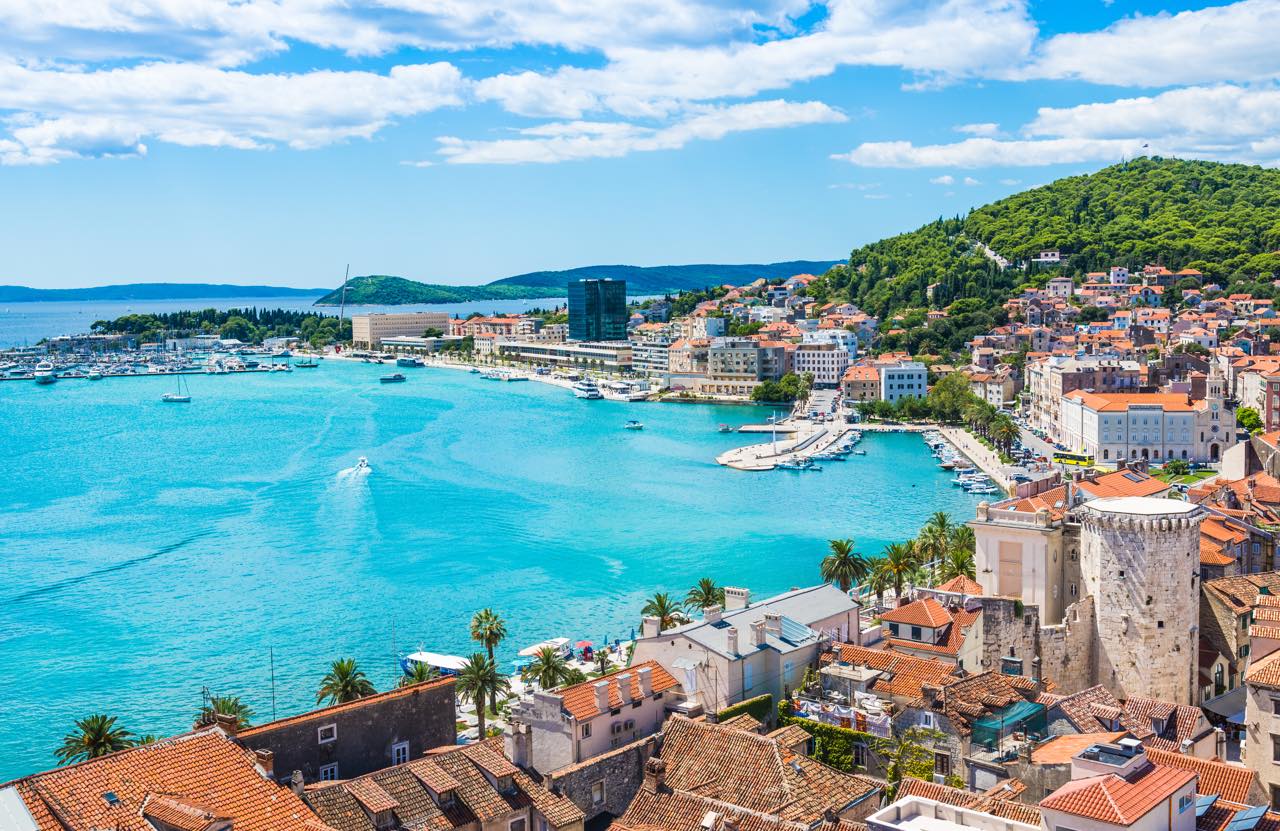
x: 1092, y: 592
x: 355, y: 738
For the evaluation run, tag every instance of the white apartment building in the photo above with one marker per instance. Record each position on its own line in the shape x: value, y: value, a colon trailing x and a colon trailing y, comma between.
x: 368, y: 331
x: 767, y: 314
x: 903, y: 379
x: 651, y: 357
x: 846, y: 340
x: 607, y: 356
x: 827, y: 362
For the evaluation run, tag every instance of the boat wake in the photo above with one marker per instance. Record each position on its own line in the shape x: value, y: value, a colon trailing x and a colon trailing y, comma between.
x: 355, y: 473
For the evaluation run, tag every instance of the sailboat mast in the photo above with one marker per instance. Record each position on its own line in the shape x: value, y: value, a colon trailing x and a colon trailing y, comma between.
x: 343, y: 306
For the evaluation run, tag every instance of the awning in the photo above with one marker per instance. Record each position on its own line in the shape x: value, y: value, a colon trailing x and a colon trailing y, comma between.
x: 1229, y: 706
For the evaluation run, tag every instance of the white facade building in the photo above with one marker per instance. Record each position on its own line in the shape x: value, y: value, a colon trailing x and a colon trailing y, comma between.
x: 368, y: 331
x: 827, y: 362
x: 904, y: 379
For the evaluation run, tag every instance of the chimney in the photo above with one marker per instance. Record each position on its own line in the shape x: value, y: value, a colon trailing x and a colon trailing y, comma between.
x: 732, y: 637
x: 650, y: 627
x: 711, y: 614
x: 296, y: 782
x: 773, y: 623
x: 602, y: 695
x: 654, y: 772
x: 735, y: 598
x: 229, y: 724
x: 644, y: 675
x: 757, y: 633
x: 265, y: 759
x: 624, y: 687
x: 516, y: 741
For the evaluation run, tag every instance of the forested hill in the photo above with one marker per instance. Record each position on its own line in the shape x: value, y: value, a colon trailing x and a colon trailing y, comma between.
x: 1222, y: 219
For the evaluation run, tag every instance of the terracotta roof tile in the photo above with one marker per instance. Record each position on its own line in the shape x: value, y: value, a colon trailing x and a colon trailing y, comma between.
x: 1115, y: 800
x: 960, y: 584
x: 579, y: 700
x: 997, y: 805
x: 901, y: 675
x: 1231, y: 782
x: 923, y: 612
x: 329, y: 712
x: 1060, y: 749
x: 204, y: 770
x: 1265, y: 671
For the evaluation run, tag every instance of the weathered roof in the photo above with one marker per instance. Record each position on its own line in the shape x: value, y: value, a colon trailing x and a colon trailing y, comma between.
x: 1218, y: 778
x: 997, y: 805
x: 798, y: 608
x: 348, y: 706
x: 579, y: 700
x: 901, y: 675
x: 200, y: 771
x: 1116, y: 800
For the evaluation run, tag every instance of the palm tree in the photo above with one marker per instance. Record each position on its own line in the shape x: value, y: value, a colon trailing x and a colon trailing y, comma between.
x: 1004, y: 432
x: 935, y: 538
x: 344, y: 682
x: 878, y: 579
x: 548, y: 668
x: 480, y: 681
x: 226, y: 705
x: 418, y: 673
x: 489, y: 629
x: 899, y: 563
x: 962, y: 539
x: 603, y: 663
x: 666, y: 610
x: 958, y: 563
x: 705, y: 593
x: 843, y: 566
x: 94, y: 736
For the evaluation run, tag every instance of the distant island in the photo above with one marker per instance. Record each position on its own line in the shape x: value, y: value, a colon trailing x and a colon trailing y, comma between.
x: 151, y: 291
x: 384, y: 290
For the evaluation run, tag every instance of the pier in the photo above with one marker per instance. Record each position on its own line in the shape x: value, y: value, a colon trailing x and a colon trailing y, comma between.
x: 802, y: 442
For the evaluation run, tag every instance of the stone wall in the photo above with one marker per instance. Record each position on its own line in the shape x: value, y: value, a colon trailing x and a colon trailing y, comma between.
x: 620, y: 770
x: 1142, y: 569
x: 1066, y: 649
x: 422, y: 715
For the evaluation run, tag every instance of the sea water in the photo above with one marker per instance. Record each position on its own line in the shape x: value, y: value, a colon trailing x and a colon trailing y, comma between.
x: 151, y: 551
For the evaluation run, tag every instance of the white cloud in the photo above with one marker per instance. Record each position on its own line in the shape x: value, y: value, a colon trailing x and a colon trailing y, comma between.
x: 855, y: 186
x: 565, y: 142
x: 61, y: 114
x: 1232, y: 42
x: 970, y: 181
x: 987, y: 128
x: 943, y: 180
x: 1010, y: 182
x: 1228, y: 123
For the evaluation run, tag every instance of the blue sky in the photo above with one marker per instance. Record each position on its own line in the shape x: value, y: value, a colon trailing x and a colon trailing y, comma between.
x: 274, y: 141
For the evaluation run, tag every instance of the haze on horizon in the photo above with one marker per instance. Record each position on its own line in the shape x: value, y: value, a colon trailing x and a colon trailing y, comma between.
x: 274, y: 142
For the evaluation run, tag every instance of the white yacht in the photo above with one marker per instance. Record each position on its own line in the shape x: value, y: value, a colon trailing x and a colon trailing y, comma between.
x: 586, y: 388
x: 44, y: 373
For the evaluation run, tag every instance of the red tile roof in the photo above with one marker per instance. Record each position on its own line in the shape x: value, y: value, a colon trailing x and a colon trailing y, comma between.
x: 579, y: 700
x: 200, y: 771
x: 359, y: 703
x: 1115, y: 800
x: 924, y: 612
x: 961, y: 584
x: 901, y: 675
x: 1231, y: 782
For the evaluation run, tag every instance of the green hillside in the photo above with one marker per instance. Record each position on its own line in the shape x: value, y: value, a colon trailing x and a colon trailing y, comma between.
x: 661, y: 279
x: 1222, y: 219
x: 382, y: 290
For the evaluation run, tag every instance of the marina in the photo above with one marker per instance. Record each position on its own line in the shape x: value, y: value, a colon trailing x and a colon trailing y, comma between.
x: 518, y: 496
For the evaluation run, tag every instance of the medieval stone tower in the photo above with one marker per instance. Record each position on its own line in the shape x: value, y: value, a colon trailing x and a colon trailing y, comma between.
x: 1140, y: 561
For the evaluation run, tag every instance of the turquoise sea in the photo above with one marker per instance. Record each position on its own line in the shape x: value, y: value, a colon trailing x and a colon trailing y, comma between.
x: 149, y: 550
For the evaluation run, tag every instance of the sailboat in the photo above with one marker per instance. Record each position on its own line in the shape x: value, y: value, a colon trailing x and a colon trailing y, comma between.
x: 182, y: 396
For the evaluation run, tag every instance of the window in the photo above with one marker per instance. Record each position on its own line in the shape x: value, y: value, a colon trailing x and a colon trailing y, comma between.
x: 629, y: 724
x: 916, y: 633
x: 327, y: 733
x: 1185, y: 802
x: 399, y: 753
x: 586, y: 730
x: 942, y: 763
x: 597, y: 793
x: 1275, y: 797
x: 1275, y: 748
x: 893, y: 629
x: 859, y: 756
x: 927, y: 720
x: 329, y: 772
x: 746, y: 677
x: 517, y: 824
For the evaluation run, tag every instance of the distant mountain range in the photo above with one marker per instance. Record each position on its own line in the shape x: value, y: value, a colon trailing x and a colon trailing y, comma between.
x: 151, y: 291
x: 387, y: 290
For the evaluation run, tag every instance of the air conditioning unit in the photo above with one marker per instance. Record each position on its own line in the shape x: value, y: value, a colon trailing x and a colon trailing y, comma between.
x: 939, y: 779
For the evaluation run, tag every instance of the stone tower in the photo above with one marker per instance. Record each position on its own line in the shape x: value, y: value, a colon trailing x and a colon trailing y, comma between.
x: 1140, y: 561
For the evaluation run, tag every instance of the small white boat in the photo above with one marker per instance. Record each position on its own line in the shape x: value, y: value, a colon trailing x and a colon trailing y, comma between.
x: 633, y: 425
x: 561, y: 645
x: 362, y: 465
x: 724, y: 428
x: 182, y: 396
x: 95, y: 375
x: 587, y: 389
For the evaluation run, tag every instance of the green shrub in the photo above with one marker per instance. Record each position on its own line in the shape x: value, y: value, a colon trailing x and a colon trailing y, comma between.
x: 759, y: 708
x: 832, y: 745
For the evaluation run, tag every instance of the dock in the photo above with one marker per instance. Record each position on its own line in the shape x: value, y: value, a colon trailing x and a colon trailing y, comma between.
x: 802, y: 442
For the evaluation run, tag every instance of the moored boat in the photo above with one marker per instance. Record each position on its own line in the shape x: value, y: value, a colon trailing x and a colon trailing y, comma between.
x: 586, y: 388
x: 44, y: 373
x: 409, y: 362
x: 633, y: 425
x: 397, y: 378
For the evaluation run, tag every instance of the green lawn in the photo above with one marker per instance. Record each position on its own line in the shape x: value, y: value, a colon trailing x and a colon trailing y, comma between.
x: 1189, y: 479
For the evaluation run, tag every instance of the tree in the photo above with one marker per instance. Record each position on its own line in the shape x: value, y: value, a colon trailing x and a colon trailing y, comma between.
x: 548, y: 668
x: 344, y: 682
x: 432, y: 332
x: 934, y: 540
x: 602, y: 661
x: 948, y: 398
x: 479, y: 681
x: 237, y: 328
x: 1004, y: 432
x: 94, y: 736
x: 907, y: 755
x: 1248, y: 418
x: 900, y: 561
x: 226, y: 705
x: 666, y: 610
x: 843, y: 566
x: 957, y: 563
x: 705, y: 593
x: 1176, y: 467
x: 418, y: 673
x: 878, y: 578
x: 962, y: 539
x: 489, y: 629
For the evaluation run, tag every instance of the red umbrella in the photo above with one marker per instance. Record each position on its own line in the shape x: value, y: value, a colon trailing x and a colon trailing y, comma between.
x: 583, y: 644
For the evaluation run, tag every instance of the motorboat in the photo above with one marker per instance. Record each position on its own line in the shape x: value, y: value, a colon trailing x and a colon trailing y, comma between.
x: 724, y: 428
x: 586, y: 388
x: 560, y: 645
x: 94, y: 375
x: 362, y: 464
x: 307, y: 363
x: 44, y: 373
x: 633, y: 425
x: 797, y: 464
x: 397, y: 378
